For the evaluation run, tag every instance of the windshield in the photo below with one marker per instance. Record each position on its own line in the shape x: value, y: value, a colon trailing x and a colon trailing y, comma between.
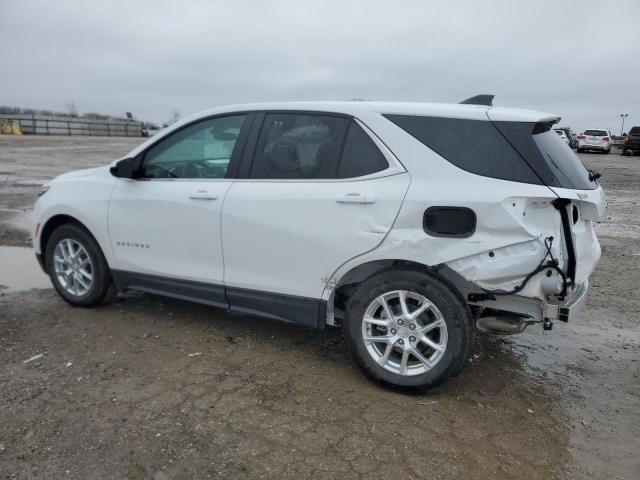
x: 596, y: 133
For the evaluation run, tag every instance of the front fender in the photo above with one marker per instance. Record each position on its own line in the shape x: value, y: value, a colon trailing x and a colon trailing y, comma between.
x: 85, y: 199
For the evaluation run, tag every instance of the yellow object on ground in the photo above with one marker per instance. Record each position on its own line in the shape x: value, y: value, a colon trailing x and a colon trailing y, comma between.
x: 15, y: 128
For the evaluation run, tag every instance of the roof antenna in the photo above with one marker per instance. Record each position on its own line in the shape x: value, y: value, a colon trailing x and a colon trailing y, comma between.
x: 483, y: 99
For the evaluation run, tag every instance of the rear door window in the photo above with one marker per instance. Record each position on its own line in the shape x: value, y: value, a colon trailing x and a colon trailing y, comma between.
x: 299, y: 146
x: 360, y: 156
x: 314, y: 146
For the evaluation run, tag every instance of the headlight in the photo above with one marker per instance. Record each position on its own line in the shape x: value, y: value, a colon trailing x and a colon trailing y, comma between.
x: 43, y: 190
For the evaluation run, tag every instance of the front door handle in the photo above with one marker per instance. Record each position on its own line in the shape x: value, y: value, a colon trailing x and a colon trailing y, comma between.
x: 356, y: 198
x: 203, y: 195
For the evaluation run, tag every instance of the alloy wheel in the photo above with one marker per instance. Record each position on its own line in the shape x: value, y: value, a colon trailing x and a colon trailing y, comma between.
x: 404, y: 332
x: 73, y: 267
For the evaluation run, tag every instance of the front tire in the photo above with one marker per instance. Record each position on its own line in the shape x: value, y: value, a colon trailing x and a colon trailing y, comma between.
x: 405, y: 328
x: 77, y: 267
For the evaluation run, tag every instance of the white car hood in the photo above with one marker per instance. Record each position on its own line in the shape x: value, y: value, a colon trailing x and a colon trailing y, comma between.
x: 85, y: 172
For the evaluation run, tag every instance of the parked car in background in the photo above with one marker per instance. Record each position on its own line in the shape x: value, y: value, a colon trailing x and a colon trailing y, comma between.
x: 563, y: 136
x: 632, y: 145
x: 410, y: 226
x: 150, y: 129
x: 573, y: 138
x: 618, y: 141
x: 597, y: 139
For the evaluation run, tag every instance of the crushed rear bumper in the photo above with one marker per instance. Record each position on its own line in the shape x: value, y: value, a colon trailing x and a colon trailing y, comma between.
x: 570, y: 308
x: 536, y: 310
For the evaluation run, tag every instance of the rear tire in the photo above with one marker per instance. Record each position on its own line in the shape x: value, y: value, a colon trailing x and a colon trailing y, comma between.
x: 77, y: 267
x: 436, y: 342
x: 578, y: 150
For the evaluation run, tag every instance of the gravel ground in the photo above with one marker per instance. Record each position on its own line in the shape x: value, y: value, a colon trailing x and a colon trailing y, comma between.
x: 153, y: 388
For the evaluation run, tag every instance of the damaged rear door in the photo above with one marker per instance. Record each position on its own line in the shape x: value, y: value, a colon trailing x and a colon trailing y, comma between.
x: 319, y: 190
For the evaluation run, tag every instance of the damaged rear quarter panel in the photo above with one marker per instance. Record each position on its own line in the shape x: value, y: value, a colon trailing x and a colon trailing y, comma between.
x: 513, y: 219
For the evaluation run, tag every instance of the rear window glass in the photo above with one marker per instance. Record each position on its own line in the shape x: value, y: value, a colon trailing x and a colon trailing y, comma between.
x: 565, y: 165
x: 596, y: 133
x: 515, y: 151
x: 634, y: 131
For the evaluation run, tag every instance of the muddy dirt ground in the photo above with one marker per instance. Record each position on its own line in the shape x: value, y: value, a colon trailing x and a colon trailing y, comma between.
x: 153, y: 388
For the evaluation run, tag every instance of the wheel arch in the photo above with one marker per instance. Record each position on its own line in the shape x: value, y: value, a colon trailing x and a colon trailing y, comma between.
x: 359, y: 273
x: 58, y: 220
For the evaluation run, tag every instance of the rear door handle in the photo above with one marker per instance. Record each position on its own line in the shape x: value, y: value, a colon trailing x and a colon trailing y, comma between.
x: 203, y: 195
x: 356, y: 198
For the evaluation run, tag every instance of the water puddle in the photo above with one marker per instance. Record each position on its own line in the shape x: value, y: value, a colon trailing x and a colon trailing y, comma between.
x: 19, y: 270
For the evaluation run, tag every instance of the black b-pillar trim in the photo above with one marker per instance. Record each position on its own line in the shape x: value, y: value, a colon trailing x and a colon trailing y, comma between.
x: 561, y: 205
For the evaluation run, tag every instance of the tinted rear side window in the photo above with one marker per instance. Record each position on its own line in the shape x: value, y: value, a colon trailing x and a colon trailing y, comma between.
x: 299, y: 146
x: 473, y: 145
x: 515, y: 151
x: 314, y: 146
x: 360, y: 155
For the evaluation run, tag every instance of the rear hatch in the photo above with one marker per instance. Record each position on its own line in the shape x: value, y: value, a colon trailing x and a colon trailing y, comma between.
x: 580, y: 201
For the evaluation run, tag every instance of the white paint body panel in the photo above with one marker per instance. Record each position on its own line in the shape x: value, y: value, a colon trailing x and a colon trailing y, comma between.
x: 157, y: 228
x: 288, y: 237
x: 83, y: 195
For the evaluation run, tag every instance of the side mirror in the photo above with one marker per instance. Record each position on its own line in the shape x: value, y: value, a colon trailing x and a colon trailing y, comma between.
x: 125, y: 168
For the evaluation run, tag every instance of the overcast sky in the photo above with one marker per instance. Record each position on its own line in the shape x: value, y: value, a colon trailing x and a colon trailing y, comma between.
x: 579, y: 59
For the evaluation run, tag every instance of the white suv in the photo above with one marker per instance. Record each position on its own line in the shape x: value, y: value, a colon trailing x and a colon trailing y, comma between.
x: 595, y: 139
x: 409, y: 225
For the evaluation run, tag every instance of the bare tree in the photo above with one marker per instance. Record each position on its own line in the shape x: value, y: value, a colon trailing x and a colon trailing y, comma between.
x: 175, y: 116
x: 72, y: 108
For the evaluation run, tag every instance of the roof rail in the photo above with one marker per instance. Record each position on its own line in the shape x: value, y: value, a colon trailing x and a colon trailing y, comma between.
x: 483, y: 99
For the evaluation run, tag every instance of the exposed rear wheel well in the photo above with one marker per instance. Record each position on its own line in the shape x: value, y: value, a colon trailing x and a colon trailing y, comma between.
x: 349, y: 281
